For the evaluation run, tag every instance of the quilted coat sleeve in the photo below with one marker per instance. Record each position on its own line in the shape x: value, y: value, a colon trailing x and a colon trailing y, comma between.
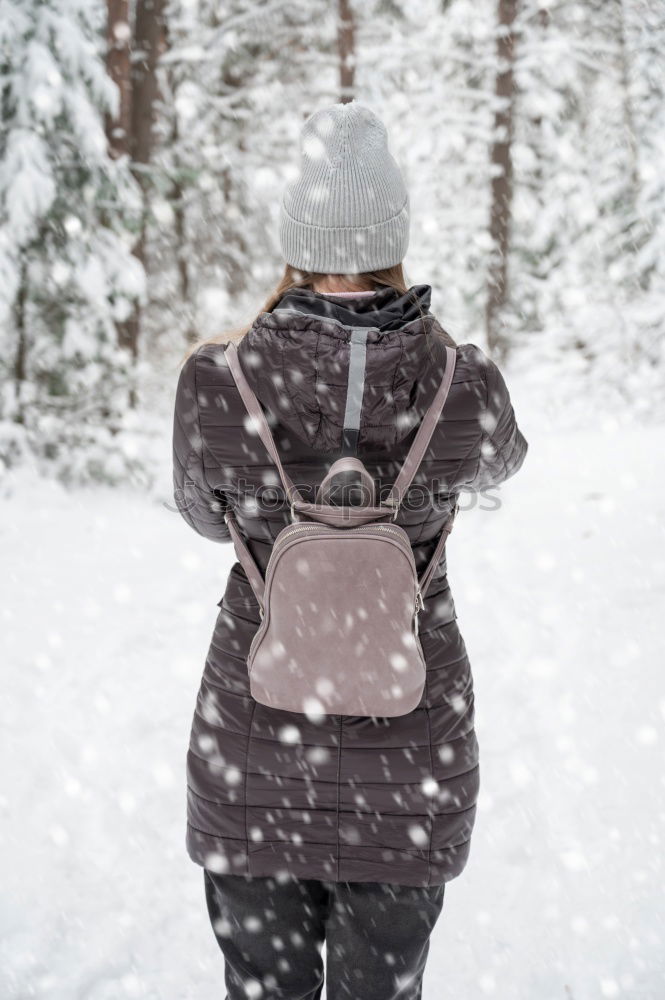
x: 503, y: 446
x: 199, y: 505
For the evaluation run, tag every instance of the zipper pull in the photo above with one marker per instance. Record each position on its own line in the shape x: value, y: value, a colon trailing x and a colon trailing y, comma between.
x: 420, y: 603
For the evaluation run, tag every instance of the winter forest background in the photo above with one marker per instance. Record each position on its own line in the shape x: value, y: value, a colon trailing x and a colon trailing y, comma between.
x: 143, y: 145
x: 143, y: 148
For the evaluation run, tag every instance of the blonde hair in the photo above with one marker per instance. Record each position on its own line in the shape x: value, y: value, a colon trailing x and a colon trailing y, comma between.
x: 387, y: 277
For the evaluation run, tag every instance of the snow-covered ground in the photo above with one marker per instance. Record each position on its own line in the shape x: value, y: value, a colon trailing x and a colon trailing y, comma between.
x: 108, y: 605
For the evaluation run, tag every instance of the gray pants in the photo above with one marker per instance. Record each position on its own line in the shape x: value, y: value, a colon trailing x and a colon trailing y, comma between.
x: 271, y: 933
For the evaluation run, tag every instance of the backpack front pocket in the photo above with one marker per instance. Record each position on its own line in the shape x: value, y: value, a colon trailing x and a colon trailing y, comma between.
x: 339, y: 632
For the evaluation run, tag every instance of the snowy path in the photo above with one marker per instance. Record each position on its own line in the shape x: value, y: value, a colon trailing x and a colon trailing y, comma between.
x: 108, y: 605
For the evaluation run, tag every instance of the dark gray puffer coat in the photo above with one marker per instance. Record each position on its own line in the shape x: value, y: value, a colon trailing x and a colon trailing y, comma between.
x: 346, y: 798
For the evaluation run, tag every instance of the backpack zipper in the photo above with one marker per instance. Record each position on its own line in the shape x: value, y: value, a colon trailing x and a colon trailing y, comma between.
x: 359, y: 527
x: 419, y: 603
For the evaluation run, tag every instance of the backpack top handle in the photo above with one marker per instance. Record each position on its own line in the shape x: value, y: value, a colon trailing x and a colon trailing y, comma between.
x: 347, y: 464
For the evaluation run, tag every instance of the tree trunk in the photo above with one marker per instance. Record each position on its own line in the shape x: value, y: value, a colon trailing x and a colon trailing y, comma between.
x: 20, y: 325
x: 346, y: 44
x: 639, y: 227
x: 119, y: 126
x: 148, y: 43
x: 502, y: 177
x: 118, y: 67
x: 628, y: 116
x: 182, y: 248
x: 149, y: 39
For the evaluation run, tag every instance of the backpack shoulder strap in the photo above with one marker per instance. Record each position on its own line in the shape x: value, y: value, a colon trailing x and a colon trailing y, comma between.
x: 432, y: 565
x: 255, y: 411
x: 424, y: 435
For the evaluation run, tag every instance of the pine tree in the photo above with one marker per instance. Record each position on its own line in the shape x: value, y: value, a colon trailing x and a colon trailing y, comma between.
x: 231, y: 80
x: 434, y: 93
x: 67, y: 273
x: 588, y: 229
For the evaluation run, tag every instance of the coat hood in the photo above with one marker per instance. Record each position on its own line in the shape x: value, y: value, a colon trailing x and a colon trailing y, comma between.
x: 343, y: 373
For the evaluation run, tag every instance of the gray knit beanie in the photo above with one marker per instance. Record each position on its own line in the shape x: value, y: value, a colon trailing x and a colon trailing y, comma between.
x: 348, y: 210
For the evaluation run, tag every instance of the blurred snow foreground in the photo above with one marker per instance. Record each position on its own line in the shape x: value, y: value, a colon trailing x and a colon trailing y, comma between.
x: 108, y: 608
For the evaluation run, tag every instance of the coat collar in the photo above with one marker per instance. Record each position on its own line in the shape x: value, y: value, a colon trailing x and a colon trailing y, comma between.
x: 386, y: 310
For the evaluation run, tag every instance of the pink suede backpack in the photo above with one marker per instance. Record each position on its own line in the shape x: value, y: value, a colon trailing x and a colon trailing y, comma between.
x: 340, y: 600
